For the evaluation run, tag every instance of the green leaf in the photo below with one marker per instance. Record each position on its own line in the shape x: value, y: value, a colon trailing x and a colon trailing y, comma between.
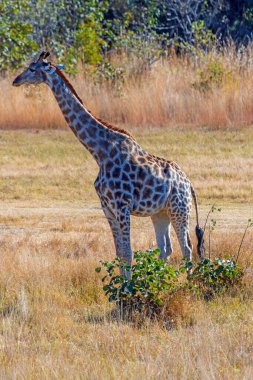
x: 159, y: 302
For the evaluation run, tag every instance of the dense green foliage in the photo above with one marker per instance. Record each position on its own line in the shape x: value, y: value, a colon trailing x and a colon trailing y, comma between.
x: 150, y: 277
x: 14, y: 35
x: 153, y: 280
x: 210, y: 277
x: 86, y: 31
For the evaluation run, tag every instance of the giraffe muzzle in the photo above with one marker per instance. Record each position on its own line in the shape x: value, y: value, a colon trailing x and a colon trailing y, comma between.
x: 16, y: 82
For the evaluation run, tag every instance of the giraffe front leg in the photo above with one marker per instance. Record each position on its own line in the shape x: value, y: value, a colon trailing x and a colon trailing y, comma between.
x: 115, y: 228
x: 125, y: 243
x: 120, y: 227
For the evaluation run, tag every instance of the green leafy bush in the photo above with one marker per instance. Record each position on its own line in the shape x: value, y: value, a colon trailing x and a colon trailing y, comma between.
x: 209, y: 277
x: 153, y: 281
x: 151, y: 278
x: 211, y: 74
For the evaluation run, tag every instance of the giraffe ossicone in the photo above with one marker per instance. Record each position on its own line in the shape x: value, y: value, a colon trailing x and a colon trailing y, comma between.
x: 130, y: 180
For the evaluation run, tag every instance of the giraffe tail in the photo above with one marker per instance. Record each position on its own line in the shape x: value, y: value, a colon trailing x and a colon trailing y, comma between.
x: 198, y: 230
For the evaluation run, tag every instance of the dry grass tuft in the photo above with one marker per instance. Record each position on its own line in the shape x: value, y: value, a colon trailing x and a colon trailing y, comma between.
x: 179, y: 310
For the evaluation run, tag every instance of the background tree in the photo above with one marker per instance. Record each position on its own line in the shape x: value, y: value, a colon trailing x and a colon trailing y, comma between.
x: 85, y: 31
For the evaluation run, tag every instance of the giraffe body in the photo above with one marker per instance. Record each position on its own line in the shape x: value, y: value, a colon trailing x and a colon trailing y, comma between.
x: 137, y: 183
x: 130, y: 180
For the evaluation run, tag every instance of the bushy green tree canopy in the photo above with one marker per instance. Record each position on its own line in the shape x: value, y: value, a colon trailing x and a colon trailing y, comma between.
x: 86, y: 30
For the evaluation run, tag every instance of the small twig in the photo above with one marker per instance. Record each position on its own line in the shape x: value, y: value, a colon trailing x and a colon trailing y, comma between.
x: 207, y: 217
x: 249, y: 224
x: 209, y: 242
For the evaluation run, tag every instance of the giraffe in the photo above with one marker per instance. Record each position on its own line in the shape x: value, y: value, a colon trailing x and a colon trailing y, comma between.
x: 130, y: 180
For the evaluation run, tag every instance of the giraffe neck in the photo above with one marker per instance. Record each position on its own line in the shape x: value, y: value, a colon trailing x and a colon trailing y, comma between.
x: 96, y: 137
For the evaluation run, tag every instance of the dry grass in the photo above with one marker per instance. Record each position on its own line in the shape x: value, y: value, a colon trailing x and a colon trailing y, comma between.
x: 53, y: 166
x: 55, y: 320
x: 173, y: 93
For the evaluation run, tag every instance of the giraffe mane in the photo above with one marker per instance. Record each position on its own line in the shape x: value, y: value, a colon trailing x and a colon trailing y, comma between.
x: 103, y: 122
x: 67, y: 82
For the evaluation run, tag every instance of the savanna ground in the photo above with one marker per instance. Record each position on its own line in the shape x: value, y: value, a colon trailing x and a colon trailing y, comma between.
x: 56, y: 322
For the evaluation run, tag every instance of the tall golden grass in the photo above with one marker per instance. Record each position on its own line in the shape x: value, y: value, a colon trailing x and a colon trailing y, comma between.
x: 214, y: 90
x: 57, y: 324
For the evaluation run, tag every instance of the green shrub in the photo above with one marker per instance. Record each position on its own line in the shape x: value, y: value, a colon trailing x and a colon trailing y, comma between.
x: 153, y: 281
x: 151, y: 278
x: 209, y: 277
x: 212, y: 74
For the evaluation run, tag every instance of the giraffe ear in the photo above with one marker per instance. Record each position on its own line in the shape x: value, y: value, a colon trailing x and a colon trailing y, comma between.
x: 41, y: 56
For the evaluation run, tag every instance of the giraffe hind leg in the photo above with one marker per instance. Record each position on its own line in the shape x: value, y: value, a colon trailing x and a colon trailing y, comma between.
x: 180, y: 221
x: 179, y: 206
x: 182, y: 232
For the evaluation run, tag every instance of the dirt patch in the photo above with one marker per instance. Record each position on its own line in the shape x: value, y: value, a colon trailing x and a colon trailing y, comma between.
x: 231, y: 216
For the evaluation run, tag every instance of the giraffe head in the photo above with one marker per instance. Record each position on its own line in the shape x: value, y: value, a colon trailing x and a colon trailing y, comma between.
x: 38, y: 71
